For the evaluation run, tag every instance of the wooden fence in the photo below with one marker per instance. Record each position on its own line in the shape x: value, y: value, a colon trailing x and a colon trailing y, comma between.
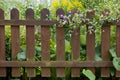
x: 60, y: 63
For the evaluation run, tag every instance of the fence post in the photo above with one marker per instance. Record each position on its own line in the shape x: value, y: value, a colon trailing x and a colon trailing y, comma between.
x: 105, y: 46
x: 45, y: 42
x: 30, y: 42
x: 15, y: 38
x: 90, y: 41
x: 118, y: 46
x: 75, y: 44
x: 60, y: 45
x: 2, y: 44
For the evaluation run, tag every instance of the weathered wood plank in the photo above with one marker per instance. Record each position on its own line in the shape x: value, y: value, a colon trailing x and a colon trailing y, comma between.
x: 48, y: 64
x: 28, y: 22
x: 118, y: 46
x: 105, y: 48
x: 60, y: 46
x: 75, y: 51
x: 45, y: 43
x: 30, y: 42
x: 15, y: 38
x: 2, y: 44
x: 90, y: 47
x: 90, y: 43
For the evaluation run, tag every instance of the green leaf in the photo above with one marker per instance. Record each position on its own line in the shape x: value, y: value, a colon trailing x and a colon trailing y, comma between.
x: 98, y: 58
x: 67, y: 46
x: 83, y: 40
x: 112, y: 52
x: 116, y: 63
x: 21, y: 56
x: 88, y: 74
x: 112, y: 72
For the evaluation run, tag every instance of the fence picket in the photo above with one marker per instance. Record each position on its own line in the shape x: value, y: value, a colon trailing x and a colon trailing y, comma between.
x: 90, y: 43
x: 118, y: 46
x: 30, y: 42
x: 90, y: 47
x: 75, y: 51
x: 2, y: 44
x: 60, y: 46
x: 105, y: 46
x: 45, y: 42
x: 15, y: 38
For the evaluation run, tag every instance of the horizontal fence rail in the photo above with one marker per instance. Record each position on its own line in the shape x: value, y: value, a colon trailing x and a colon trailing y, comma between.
x: 41, y: 22
x: 27, y: 22
x: 59, y: 63
x: 48, y: 64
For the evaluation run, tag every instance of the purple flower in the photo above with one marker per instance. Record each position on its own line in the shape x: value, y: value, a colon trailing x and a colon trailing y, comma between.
x: 61, y: 16
x: 81, y: 16
x: 69, y: 13
x: 66, y: 19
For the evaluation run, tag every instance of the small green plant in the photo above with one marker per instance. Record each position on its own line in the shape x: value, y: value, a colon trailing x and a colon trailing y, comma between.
x: 89, y: 74
x: 116, y: 60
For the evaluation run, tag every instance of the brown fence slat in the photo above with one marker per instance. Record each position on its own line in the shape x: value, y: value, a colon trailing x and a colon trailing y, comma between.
x: 105, y: 46
x: 15, y: 37
x: 60, y: 46
x: 118, y: 46
x: 75, y: 51
x: 30, y: 42
x: 90, y: 43
x: 45, y: 43
x: 90, y: 47
x: 2, y: 44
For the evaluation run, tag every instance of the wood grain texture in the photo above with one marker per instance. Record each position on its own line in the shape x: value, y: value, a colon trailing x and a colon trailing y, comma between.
x: 105, y: 48
x: 28, y: 22
x: 60, y: 64
x: 30, y: 42
x: 2, y: 44
x: 60, y: 46
x: 45, y: 43
x: 15, y: 38
x: 90, y: 40
x: 75, y: 51
x: 90, y: 47
x: 118, y: 46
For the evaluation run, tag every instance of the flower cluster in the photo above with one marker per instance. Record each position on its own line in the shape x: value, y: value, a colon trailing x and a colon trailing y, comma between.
x: 93, y: 20
x: 72, y: 19
x: 75, y: 14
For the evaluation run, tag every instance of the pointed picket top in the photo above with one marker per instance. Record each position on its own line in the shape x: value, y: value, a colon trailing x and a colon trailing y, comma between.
x: 1, y: 14
x: 60, y: 12
x: 44, y: 14
x: 14, y: 13
x: 29, y: 14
